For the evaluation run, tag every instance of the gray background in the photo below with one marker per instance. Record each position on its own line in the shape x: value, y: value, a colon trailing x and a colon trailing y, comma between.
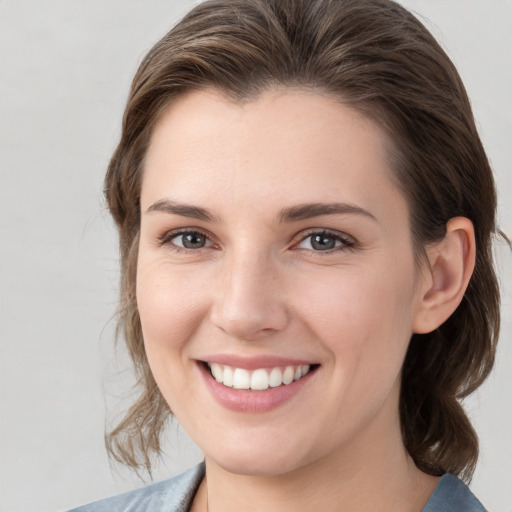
x: 65, y: 68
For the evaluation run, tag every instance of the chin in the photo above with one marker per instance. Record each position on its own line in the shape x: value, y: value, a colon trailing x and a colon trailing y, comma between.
x: 257, y: 460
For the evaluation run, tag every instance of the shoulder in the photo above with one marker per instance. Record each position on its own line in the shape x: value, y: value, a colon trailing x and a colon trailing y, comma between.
x: 174, y: 495
x: 452, y: 495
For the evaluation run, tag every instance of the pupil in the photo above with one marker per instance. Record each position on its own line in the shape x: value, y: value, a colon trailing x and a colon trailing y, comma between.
x: 323, y: 242
x: 193, y: 241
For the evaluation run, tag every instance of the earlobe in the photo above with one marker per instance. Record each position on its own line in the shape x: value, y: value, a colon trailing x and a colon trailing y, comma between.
x: 451, y: 264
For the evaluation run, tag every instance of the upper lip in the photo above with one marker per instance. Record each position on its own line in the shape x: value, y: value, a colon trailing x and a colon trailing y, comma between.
x: 253, y: 363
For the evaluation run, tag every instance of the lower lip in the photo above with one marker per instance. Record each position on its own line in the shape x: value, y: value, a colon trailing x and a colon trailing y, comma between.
x: 242, y: 400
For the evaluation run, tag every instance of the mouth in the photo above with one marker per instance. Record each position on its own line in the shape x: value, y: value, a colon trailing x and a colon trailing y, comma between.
x: 258, y: 379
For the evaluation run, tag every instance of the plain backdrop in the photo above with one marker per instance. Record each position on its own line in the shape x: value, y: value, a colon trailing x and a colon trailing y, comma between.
x: 65, y: 69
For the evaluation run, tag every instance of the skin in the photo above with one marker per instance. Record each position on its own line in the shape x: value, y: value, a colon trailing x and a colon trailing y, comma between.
x: 258, y: 287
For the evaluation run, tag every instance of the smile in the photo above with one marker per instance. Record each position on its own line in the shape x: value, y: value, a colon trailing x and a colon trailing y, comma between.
x: 259, y: 379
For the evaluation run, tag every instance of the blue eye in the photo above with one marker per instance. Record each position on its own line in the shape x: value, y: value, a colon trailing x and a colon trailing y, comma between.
x: 324, y: 241
x: 189, y: 240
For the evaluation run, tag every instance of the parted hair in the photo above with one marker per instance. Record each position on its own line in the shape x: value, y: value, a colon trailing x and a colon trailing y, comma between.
x: 379, y: 59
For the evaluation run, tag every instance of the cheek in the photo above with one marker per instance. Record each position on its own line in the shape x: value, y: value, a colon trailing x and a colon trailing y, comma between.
x: 168, y: 306
x: 364, y: 317
x: 170, y: 314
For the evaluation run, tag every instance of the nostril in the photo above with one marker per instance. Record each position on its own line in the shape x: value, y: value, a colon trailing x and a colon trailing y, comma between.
x: 250, y: 323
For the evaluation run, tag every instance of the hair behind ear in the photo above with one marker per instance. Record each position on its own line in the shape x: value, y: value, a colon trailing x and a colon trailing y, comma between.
x: 450, y: 354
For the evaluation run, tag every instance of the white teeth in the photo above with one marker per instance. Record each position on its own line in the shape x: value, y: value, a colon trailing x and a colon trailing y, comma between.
x: 259, y: 379
x: 228, y: 376
x: 217, y: 372
x: 241, y: 379
x: 276, y: 377
x: 288, y: 375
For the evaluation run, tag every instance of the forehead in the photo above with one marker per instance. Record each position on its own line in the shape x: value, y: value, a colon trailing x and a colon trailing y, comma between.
x: 285, y: 146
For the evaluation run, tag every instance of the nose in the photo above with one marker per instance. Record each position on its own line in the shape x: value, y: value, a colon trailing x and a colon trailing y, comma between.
x: 249, y: 300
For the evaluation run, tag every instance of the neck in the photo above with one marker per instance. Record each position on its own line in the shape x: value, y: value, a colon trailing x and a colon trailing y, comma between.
x: 366, y: 476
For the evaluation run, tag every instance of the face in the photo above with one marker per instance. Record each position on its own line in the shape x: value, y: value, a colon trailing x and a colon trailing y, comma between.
x: 275, y: 253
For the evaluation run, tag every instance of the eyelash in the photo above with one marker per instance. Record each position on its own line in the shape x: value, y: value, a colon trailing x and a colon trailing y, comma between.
x: 346, y: 241
x: 167, y: 239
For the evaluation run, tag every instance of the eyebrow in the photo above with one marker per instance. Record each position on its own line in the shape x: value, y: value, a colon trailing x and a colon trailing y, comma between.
x: 310, y: 210
x: 290, y: 214
x: 185, y: 210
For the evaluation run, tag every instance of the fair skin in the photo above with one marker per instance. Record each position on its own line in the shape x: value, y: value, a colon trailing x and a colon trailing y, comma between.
x: 273, y: 237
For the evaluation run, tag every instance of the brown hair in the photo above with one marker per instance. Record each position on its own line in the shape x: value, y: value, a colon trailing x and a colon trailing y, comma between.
x: 378, y: 58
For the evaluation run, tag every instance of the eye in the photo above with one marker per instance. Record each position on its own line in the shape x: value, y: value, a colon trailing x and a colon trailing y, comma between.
x: 190, y: 240
x: 325, y: 241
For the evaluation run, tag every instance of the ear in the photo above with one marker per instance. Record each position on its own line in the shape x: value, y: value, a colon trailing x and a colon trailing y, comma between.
x: 444, y: 281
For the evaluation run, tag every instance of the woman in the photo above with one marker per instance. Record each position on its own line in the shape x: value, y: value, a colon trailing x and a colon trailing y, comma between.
x: 305, y: 213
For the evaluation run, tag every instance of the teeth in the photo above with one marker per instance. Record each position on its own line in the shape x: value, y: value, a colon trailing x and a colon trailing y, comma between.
x: 217, y: 372
x: 276, y: 377
x: 288, y: 375
x: 228, y: 376
x: 241, y: 379
x: 257, y: 380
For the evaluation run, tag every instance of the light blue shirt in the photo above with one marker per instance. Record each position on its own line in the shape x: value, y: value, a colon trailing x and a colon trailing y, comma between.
x: 176, y: 495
